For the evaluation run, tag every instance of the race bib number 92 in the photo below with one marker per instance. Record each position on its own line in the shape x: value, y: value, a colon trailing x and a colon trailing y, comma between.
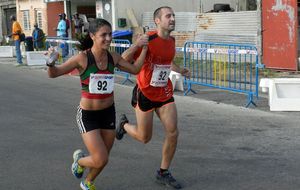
x: 101, y: 83
x: 160, y: 75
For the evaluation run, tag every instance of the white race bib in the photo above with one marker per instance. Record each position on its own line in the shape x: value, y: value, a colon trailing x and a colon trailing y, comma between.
x: 101, y: 83
x: 160, y: 75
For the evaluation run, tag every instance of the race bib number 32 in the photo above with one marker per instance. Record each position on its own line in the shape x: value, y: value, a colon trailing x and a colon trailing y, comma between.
x: 160, y: 75
x: 101, y: 83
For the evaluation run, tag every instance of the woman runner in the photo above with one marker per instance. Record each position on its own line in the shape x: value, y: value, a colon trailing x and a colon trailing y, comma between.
x: 96, y: 110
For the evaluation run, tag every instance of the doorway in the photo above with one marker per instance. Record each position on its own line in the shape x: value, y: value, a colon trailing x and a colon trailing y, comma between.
x: 298, y: 24
x: 280, y: 34
x: 107, y: 10
x: 8, y: 24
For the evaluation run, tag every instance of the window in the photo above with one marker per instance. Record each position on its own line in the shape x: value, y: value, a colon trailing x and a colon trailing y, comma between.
x: 298, y: 2
x: 252, y: 5
x: 39, y: 18
x: 26, y: 20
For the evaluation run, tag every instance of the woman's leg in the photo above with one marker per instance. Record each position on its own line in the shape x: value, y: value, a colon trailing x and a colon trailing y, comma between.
x: 98, y: 157
x: 108, y: 137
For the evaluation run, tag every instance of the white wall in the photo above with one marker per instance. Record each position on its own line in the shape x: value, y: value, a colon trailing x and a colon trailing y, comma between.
x: 75, y: 4
x: 1, y: 25
x: 237, y: 5
x: 141, y: 6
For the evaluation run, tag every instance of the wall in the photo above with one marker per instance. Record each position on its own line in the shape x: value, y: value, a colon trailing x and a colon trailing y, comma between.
x: 86, y: 3
x: 31, y: 5
x: 6, y: 7
x: 140, y: 7
x: 229, y: 27
x: 53, y: 10
x: 237, y: 5
x: 185, y: 21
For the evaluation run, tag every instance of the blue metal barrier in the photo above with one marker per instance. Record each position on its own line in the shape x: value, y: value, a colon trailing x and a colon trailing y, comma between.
x: 232, y: 67
x: 119, y: 46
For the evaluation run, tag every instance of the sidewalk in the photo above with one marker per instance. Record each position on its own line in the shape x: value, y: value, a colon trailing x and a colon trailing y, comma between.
x: 10, y: 60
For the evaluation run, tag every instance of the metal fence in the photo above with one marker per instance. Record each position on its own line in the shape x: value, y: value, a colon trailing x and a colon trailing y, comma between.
x: 119, y: 46
x: 231, y: 67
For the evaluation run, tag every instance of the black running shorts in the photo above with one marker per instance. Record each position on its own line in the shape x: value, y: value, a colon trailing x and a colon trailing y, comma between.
x: 88, y: 120
x: 144, y: 103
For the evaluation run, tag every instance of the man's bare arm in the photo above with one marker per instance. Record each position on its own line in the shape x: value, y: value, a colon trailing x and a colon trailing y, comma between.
x: 185, y: 72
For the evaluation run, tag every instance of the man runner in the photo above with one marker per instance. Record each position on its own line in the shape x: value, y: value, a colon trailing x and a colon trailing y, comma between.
x: 154, y: 92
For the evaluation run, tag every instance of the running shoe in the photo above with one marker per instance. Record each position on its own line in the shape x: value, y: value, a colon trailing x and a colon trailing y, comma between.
x: 167, y: 179
x: 120, y: 131
x: 77, y: 170
x: 87, y: 185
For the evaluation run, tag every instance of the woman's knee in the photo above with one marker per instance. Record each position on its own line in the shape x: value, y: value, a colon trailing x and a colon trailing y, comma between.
x: 100, y: 161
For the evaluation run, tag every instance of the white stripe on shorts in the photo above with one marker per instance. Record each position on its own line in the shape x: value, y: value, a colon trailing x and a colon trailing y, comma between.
x: 79, y: 121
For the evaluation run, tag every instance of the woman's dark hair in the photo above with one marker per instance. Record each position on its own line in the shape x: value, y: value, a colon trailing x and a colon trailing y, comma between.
x: 84, y: 39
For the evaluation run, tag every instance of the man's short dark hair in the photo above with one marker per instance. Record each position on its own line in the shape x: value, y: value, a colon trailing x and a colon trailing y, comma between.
x: 157, y: 12
x: 13, y: 17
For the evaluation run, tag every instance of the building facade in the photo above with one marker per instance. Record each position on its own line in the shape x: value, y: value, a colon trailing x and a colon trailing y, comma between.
x: 29, y: 12
x: 274, y: 24
x: 7, y: 8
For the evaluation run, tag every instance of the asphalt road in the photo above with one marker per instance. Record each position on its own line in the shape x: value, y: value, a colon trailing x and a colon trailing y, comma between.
x: 222, y: 145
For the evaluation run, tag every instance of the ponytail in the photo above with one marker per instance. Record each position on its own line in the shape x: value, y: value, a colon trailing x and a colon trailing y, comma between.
x: 85, y: 40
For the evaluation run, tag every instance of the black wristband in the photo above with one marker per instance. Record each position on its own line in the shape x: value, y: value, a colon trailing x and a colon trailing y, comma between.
x: 49, y: 65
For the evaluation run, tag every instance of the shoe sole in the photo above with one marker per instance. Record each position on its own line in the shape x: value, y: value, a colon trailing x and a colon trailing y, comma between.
x: 74, y: 159
x: 75, y: 153
x: 117, y: 136
x: 119, y: 127
x: 82, y: 187
x: 165, y: 184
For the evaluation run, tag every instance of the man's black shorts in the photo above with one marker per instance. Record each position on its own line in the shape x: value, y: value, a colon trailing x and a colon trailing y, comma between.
x: 144, y: 103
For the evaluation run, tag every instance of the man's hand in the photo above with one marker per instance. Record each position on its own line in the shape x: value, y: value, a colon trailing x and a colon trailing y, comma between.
x: 142, y: 40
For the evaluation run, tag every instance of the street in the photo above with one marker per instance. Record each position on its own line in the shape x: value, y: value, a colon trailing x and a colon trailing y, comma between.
x: 222, y: 146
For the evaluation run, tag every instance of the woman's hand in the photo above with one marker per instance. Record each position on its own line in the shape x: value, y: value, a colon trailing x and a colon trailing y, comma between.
x: 52, y: 56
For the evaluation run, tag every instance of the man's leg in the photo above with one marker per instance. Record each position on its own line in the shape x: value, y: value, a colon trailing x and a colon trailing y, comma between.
x: 168, y: 117
x: 18, y: 51
x: 143, y: 130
